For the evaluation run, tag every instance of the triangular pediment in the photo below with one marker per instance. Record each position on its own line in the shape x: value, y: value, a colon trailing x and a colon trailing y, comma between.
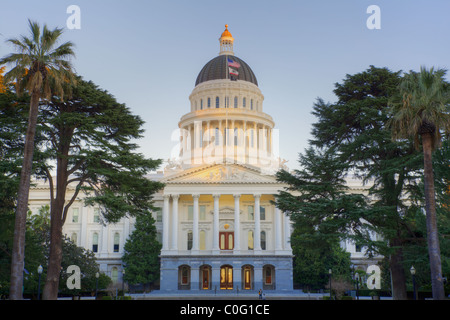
x: 221, y: 173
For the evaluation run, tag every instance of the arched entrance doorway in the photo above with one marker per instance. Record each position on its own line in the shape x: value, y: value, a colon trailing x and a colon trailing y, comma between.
x: 226, y: 277
x: 247, y: 277
x: 205, y: 277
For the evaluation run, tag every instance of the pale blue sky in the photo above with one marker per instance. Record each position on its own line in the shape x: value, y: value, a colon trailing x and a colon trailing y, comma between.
x: 149, y: 53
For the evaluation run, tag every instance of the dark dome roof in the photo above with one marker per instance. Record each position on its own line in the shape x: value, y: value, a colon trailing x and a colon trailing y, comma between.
x: 217, y: 68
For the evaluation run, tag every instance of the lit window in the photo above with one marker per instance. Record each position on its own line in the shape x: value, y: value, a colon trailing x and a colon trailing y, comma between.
x: 202, y: 239
x: 250, y: 240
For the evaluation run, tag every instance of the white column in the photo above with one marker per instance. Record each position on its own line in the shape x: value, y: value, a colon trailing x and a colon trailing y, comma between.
x: 195, y: 246
x: 278, y: 229
x: 237, y: 224
x: 287, y: 232
x: 126, y: 232
x: 165, y: 221
x: 105, y: 229
x: 84, y: 218
x: 175, y: 221
x: 257, y: 216
x: 216, y: 223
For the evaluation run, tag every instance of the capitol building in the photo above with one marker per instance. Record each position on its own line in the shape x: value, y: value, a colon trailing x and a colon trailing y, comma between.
x: 216, y: 221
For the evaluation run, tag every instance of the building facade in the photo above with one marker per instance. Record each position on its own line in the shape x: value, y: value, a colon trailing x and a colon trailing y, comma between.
x: 216, y: 221
x: 220, y: 228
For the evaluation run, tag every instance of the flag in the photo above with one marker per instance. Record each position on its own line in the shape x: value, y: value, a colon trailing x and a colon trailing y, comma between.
x: 233, y: 64
x: 233, y: 72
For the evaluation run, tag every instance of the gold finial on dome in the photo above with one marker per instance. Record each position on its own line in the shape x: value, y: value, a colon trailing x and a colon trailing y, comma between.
x: 226, y: 42
x: 226, y: 33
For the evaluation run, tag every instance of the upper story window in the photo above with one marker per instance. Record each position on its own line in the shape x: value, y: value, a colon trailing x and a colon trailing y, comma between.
x: 116, y: 242
x: 235, y: 102
x: 75, y: 215
x: 201, y: 104
x: 244, y: 102
x: 251, y: 104
x: 217, y: 102
x: 96, y: 217
x: 209, y: 102
x: 95, y: 242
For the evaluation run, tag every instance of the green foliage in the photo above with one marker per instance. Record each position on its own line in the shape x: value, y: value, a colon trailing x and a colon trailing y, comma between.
x: 94, y: 134
x: 322, y: 214
x: 39, y: 226
x: 141, y: 252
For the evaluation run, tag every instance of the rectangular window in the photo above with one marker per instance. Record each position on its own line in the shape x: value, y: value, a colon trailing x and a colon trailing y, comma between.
x: 262, y: 212
x: 189, y: 240
x: 250, y: 211
x: 158, y: 215
x: 96, y: 218
x: 190, y: 213
x: 202, y: 213
x: 75, y: 215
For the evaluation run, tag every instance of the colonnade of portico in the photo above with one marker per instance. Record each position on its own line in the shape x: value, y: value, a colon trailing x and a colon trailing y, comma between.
x: 280, y: 225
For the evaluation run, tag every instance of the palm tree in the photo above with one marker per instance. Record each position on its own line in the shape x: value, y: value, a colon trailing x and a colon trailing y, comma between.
x: 421, y: 110
x: 40, y: 69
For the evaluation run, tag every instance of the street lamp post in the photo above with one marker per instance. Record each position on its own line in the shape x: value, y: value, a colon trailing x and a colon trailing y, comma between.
x: 329, y: 272
x: 97, y: 275
x: 40, y: 269
x: 413, y: 274
x: 123, y: 283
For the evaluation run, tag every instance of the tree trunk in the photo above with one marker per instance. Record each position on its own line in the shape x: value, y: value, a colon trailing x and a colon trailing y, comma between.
x: 18, y: 253
x: 50, y: 291
x: 397, y: 272
x: 432, y: 231
x: 56, y: 221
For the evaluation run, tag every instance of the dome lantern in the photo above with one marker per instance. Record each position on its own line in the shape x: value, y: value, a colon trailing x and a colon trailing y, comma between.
x: 226, y: 42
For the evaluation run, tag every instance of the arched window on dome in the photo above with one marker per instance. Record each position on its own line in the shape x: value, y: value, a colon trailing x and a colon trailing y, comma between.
x: 209, y: 102
x: 217, y: 102
x: 244, y: 102
x: 201, y: 104
x: 235, y: 102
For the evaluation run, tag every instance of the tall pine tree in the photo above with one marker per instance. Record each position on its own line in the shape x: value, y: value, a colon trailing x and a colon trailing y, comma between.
x: 354, y: 129
x: 141, y: 257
